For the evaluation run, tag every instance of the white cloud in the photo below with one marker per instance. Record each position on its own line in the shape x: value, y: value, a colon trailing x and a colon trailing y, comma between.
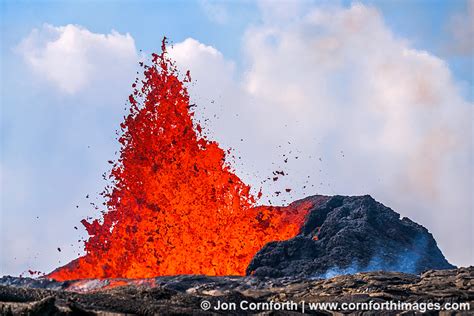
x: 385, y: 119
x: 208, y: 65
x: 73, y: 58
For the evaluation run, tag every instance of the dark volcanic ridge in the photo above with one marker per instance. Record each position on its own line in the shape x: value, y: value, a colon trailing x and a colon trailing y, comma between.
x: 349, y: 234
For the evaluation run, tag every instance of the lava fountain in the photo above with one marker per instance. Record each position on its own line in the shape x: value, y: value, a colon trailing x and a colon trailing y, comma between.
x: 174, y: 205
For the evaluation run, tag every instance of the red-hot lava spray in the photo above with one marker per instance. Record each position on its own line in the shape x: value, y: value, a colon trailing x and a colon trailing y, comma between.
x: 175, y: 206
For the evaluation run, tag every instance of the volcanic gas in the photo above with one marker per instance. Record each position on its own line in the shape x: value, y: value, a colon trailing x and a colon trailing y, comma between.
x: 174, y: 205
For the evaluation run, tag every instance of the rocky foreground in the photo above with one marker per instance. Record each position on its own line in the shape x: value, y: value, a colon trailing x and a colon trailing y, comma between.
x: 203, y: 295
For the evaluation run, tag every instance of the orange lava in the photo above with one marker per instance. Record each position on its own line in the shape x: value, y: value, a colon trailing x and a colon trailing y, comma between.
x: 175, y: 206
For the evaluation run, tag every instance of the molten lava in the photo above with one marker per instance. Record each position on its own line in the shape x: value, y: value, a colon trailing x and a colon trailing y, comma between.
x: 175, y: 206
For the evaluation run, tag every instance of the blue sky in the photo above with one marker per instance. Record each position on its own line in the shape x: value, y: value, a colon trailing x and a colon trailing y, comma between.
x: 422, y: 22
x: 148, y: 21
x: 55, y: 141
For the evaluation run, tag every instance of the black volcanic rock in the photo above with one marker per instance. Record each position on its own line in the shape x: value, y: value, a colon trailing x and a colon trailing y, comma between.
x: 184, y: 294
x: 345, y: 235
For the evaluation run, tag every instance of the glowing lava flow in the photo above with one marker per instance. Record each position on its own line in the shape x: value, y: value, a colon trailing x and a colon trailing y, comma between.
x: 175, y: 206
